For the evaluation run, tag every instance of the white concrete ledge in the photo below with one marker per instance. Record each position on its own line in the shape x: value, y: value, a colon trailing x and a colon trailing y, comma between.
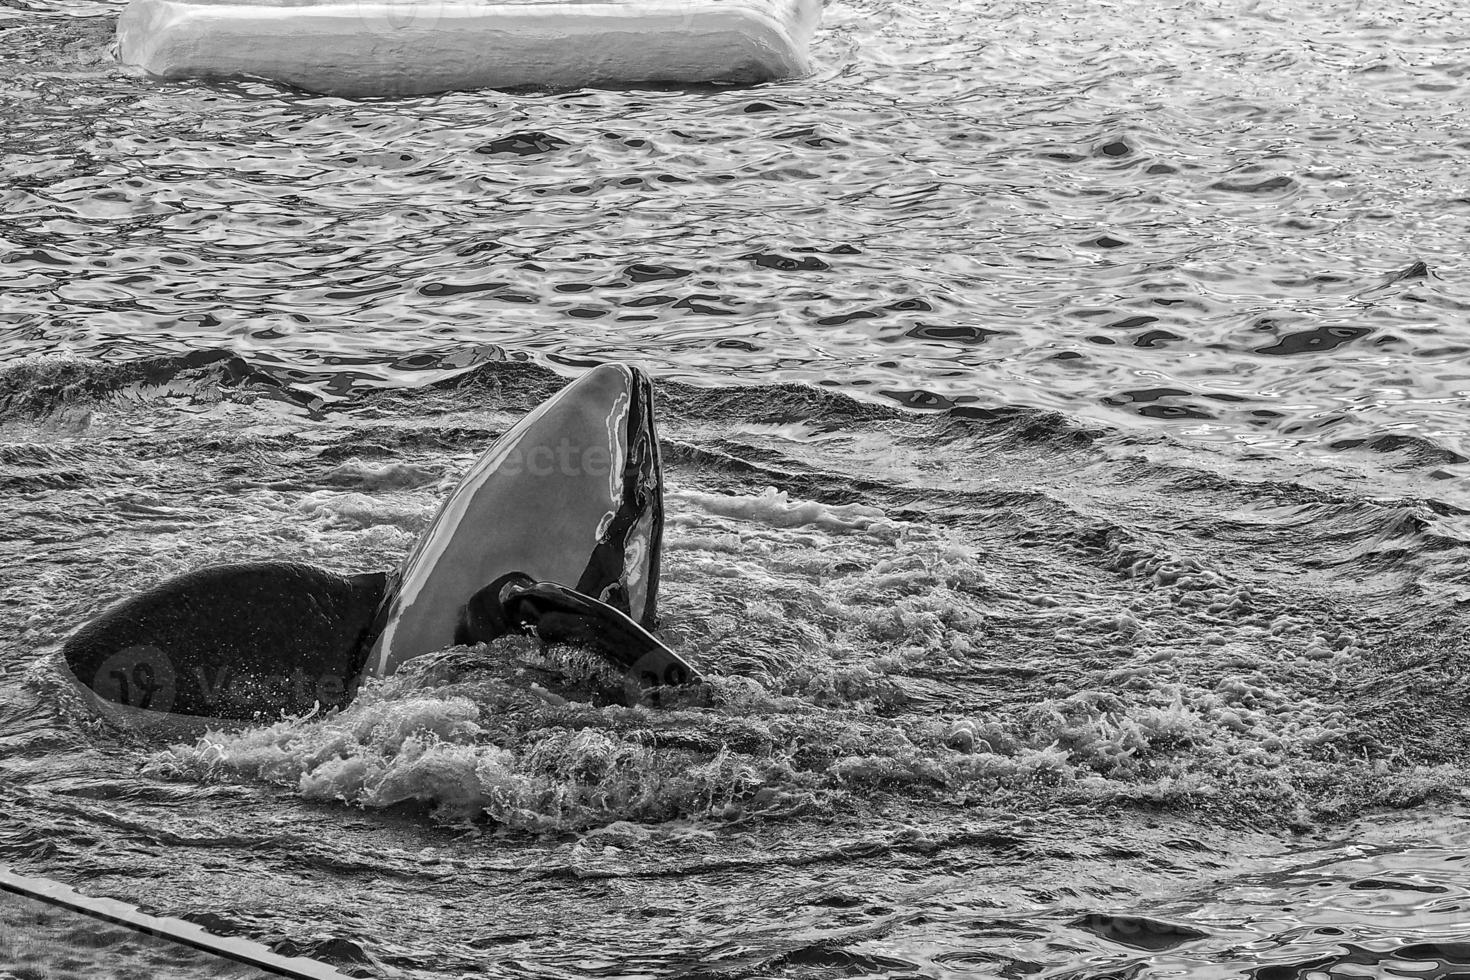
x: 407, y: 47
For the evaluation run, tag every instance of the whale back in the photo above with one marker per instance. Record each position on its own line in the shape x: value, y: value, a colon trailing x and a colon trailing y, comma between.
x: 229, y: 642
x: 572, y: 494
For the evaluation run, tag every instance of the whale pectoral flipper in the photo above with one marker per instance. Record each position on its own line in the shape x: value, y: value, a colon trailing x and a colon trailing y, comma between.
x: 557, y: 614
x: 484, y: 617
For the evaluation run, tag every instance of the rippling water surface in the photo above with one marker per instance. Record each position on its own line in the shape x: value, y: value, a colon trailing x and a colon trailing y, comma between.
x: 1242, y: 219
x: 1137, y: 650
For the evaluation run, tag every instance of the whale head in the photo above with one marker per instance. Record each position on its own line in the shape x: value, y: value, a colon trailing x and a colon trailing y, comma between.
x: 572, y: 494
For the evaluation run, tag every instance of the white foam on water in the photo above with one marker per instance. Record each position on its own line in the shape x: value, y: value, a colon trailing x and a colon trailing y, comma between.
x: 368, y: 476
x: 860, y: 661
x: 777, y: 509
x: 361, y: 510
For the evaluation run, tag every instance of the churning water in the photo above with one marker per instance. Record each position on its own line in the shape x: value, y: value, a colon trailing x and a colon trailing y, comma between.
x: 1064, y: 421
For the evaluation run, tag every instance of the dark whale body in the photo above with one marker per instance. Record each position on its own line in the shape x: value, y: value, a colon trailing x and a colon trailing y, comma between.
x: 567, y: 506
x: 233, y: 640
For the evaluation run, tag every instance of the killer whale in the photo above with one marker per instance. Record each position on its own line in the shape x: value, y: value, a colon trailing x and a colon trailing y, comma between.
x: 572, y: 494
x: 556, y: 529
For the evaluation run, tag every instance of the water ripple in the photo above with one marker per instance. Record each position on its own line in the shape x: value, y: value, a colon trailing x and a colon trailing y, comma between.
x: 1213, y: 203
